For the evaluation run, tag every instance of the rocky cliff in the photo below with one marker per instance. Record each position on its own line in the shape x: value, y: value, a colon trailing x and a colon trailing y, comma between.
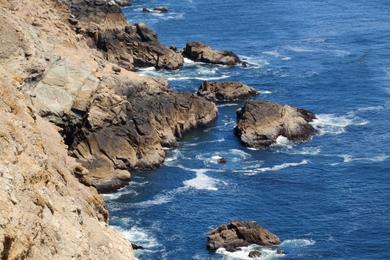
x: 72, y: 110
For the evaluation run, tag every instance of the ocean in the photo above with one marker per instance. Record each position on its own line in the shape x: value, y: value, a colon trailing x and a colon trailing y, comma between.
x: 328, y: 198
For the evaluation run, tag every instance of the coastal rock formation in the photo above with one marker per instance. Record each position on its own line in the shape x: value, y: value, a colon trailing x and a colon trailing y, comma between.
x: 260, y: 123
x: 137, y: 46
x: 198, y: 51
x: 238, y: 234
x: 225, y: 91
x: 129, y: 130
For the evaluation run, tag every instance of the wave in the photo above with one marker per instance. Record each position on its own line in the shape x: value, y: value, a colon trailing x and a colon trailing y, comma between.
x: 276, y: 54
x: 159, y: 199
x: 349, y: 158
x: 264, y: 92
x: 139, y: 237
x: 251, y: 172
x: 243, y: 254
x: 182, y: 78
x: 254, y: 62
x: 202, y: 181
x: 332, y: 124
x: 206, y: 142
x: 297, y: 243
x: 298, y: 48
x: 119, y: 193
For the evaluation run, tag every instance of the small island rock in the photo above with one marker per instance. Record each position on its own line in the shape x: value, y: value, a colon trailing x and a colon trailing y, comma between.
x: 238, y: 234
x: 225, y: 91
x: 261, y: 122
x: 200, y: 52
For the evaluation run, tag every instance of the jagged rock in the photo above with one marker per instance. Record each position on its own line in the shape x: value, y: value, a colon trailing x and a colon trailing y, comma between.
x: 198, y: 51
x: 260, y: 123
x: 238, y: 234
x: 225, y: 91
x: 125, y: 134
x: 137, y: 46
x: 137, y: 247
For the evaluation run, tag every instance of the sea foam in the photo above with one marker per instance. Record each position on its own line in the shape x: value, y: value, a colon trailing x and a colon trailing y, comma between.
x: 334, y: 125
x: 274, y: 168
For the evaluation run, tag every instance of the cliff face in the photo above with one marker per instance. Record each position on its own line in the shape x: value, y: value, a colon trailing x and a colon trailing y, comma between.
x: 71, y: 110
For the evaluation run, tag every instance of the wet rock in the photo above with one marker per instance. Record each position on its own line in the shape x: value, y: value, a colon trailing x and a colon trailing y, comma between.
x: 200, y: 52
x: 225, y: 91
x: 254, y: 254
x: 238, y: 234
x: 158, y: 9
x: 260, y: 123
x: 137, y: 247
x: 161, y: 9
x: 222, y: 160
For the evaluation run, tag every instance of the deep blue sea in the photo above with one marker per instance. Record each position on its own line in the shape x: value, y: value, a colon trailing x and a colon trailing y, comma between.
x: 328, y: 198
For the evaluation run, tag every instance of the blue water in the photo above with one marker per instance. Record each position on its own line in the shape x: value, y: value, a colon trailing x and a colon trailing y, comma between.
x: 328, y: 198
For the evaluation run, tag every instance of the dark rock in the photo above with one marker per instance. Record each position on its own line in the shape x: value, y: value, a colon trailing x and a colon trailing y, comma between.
x: 238, y: 234
x: 161, y: 9
x: 137, y: 247
x: 129, y: 130
x: 260, y: 123
x: 147, y: 10
x: 225, y: 91
x: 198, y: 51
x: 73, y: 21
x: 254, y: 254
x: 147, y: 35
x: 222, y: 160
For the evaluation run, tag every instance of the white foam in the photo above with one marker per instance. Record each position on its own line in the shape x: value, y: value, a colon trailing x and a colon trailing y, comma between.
x: 207, y: 142
x: 140, y: 237
x: 282, y: 141
x: 306, y: 151
x: 349, y: 158
x: 297, y: 243
x: 264, y: 92
x: 180, y: 78
x: 239, y: 154
x: 228, y: 105
x: 243, y: 254
x: 298, y: 49
x: 202, y: 181
x: 254, y: 62
x: 273, y: 168
x: 276, y: 54
x: 332, y: 124
x: 119, y: 193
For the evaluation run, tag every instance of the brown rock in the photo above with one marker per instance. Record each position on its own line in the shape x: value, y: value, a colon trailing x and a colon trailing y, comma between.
x: 225, y: 91
x: 260, y: 123
x: 198, y: 51
x: 238, y: 234
x: 254, y: 254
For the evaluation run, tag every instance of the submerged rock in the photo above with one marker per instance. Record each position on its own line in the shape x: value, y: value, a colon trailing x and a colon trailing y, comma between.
x: 198, y: 51
x: 225, y: 91
x: 260, y: 123
x: 254, y: 254
x: 238, y: 234
x: 158, y: 9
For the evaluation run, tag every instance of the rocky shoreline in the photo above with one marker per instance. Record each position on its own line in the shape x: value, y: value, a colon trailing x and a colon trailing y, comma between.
x: 78, y: 119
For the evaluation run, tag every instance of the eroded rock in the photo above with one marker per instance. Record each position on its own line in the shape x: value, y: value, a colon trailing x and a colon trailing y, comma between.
x: 225, y: 91
x: 238, y: 234
x: 200, y: 52
x: 260, y: 123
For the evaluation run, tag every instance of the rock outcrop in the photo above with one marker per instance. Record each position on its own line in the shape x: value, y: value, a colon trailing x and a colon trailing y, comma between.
x: 225, y: 91
x: 260, y: 123
x: 238, y: 234
x: 128, y: 131
x: 55, y: 64
x: 200, y: 52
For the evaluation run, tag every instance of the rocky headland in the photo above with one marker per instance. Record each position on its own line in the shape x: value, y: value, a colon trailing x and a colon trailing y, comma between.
x: 75, y: 117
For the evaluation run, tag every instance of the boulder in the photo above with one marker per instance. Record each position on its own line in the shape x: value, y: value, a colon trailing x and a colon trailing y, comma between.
x: 260, y: 123
x: 225, y: 91
x: 238, y: 234
x: 198, y: 51
x: 161, y: 9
